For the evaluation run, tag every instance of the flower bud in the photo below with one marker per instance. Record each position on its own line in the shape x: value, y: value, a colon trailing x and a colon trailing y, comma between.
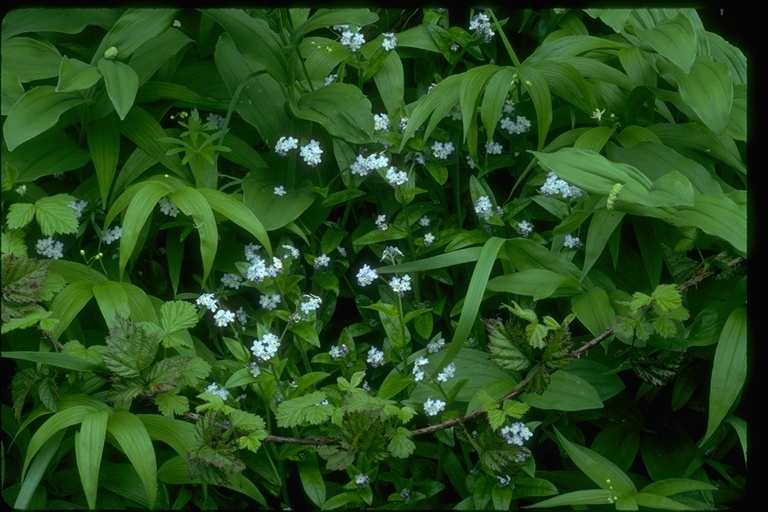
x: 110, y: 53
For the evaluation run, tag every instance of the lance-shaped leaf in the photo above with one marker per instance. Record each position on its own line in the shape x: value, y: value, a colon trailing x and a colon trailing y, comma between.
x: 133, y: 439
x: 122, y: 82
x: 133, y: 29
x: 238, y: 213
x: 89, y: 445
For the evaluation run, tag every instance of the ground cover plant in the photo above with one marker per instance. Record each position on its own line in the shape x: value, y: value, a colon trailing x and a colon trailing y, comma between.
x: 373, y: 258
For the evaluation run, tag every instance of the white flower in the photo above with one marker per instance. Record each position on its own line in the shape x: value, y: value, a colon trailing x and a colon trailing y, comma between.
x: 285, y: 144
x: 330, y: 79
x: 223, y: 318
x: 292, y: 250
x: 455, y: 113
x: 571, y: 242
x: 434, y: 346
x: 392, y: 254
x: 49, y: 248
x: 400, y: 285
x: 509, y: 106
x: 447, y: 373
x: 266, y: 347
x: 484, y: 207
x: 168, y: 207
x: 241, y: 315
x: 375, y: 357
x: 339, y: 351
x: 257, y: 271
x: 424, y: 221
x: 312, y: 304
x: 366, y: 276
x: 524, y: 228
x: 177, y: 23
x: 364, y: 165
x: 395, y: 177
x: 270, y: 302
x: 381, y: 122
x: 111, y: 235
x: 216, y: 121
x: 254, y: 369
x: 390, y: 41
x: 493, y: 148
x: 418, y: 368
x: 362, y: 479
x: 597, y: 114
x: 322, y: 261
x: 381, y: 222
x: 216, y: 390
x: 433, y: 407
x: 352, y: 40
x: 470, y: 163
x: 442, y: 151
x: 340, y: 28
x: 231, y: 281
x: 429, y: 238
x: 208, y: 300
x: 454, y: 47
x: 251, y: 252
x: 403, y: 124
x: 554, y: 185
x: 516, y: 433
x: 342, y: 251
x: 280, y: 191
x: 78, y: 207
x: 311, y: 153
x: 416, y: 156
x: 503, y: 480
x: 481, y: 24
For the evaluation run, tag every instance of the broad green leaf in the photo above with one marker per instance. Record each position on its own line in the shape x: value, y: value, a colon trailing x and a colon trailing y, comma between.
x: 144, y: 131
x: 594, y: 139
x: 89, y: 445
x: 133, y: 29
x: 132, y: 437
x: 575, y: 498
x: 496, y: 92
x: 73, y: 271
x: 194, y: 204
x: 179, y: 435
x: 151, y: 55
x: 341, y: 500
x: 238, y: 213
x: 594, y: 310
x: 601, y: 227
x: 104, y: 145
x: 59, y: 421
x: 111, y: 299
x: 660, y: 502
x: 389, y: 81
x: 717, y: 215
x: 122, y: 82
x: 30, y: 59
x: 139, y: 303
x: 740, y: 426
x: 342, y: 109
x: 619, y: 443
x: 614, y: 18
x: 76, y: 75
x: 323, y: 18
x: 571, y: 46
x: 238, y: 482
x: 20, y: 214
x: 62, y: 154
x: 54, y: 215
x: 36, y: 111
x: 599, y: 376
x: 670, y: 486
x: 600, y: 470
x: 526, y: 254
x: 275, y: 211
x: 64, y: 20
x: 57, y: 359
x: 30, y: 483
x: 700, y: 138
x: 566, y: 392
x: 537, y: 88
x: 471, y: 87
x: 68, y: 303
x: 437, y: 103
x: 729, y: 370
x: 538, y: 283
x: 568, y: 83
x: 723, y: 51
x: 304, y: 409
x: 674, y: 38
x: 434, y: 262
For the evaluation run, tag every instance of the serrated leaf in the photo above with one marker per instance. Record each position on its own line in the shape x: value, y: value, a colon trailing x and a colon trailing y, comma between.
x: 515, y: 409
x: 170, y: 403
x: 664, y: 327
x: 19, y: 215
x: 196, y: 370
x: 131, y: 349
x: 505, y: 352
x: 667, y: 297
x: 248, y: 421
x: 296, y: 411
x: 496, y: 418
x: 400, y: 445
x: 336, y: 459
x: 176, y: 315
x: 55, y: 215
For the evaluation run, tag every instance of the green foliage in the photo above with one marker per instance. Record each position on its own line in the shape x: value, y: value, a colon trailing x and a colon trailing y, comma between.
x: 417, y: 262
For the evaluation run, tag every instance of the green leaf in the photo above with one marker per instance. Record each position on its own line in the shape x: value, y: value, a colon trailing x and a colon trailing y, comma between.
x: 238, y: 213
x: 496, y: 418
x: 619, y: 443
x: 273, y: 211
x: 537, y: 88
x: 729, y: 370
x: 670, y: 486
x: 566, y: 392
x: 538, y: 283
x: 59, y: 421
x: 38, y: 468
x: 133, y: 29
x: 170, y: 403
x: 311, y: 479
x: 30, y: 59
x: 62, y: 155
x: 400, y: 444
x: 38, y: 110
x: 176, y: 315
x: 436, y: 104
x: 57, y: 359
x: 121, y: 82
x: 151, y: 55
x: 111, y: 299
x: 674, y: 38
x: 132, y: 437
x: 104, y: 145
x: 55, y: 215
x: 342, y: 109
x: 89, y: 445
x: 144, y: 131
x: 20, y: 214
x: 68, y: 303
x: 594, y: 310
x: 599, y: 469
x: 740, y: 426
x: 64, y: 20
x: 717, y: 215
x: 575, y: 498
x: 304, y: 409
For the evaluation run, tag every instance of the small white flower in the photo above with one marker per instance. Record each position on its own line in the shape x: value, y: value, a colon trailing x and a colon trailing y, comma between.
x: 598, y: 114
x: 208, y: 300
x: 339, y: 351
x: 331, y: 79
x: 251, y: 252
x: 392, y: 254
x: 285, y: 144
x: 447, y: 373
x: 403, y: 124
x: 433, y: 407
x: 455, y: 113
x: 484, y: 207
x: 241, y: 315
x: 416, y: 156
x: 322, y: 261
x: 270, y: 302
x: 49, y: 248
x: 381, y: 222
x: 111, y: 235
x: 400, y: 285
x: 311, y: 153
x: 294, y: 252
x: 554, y: 186
x: 362, y: 479
x: 571, y: 242
x: 366, y: 276
x: 312, y: 304
x: 381, y: 122
x: 216, y: 121
x: 375, y: 357
x: 429, y: 239
x: 503, y: 480
x: 78, y: 207
x: 509, y: 106
x: 266, y: 347
x: 168, y: 207
x: 177, y: 23
x: 493, y: 148
x: 470, y: 163
x: 216, y: 390
x: 352, y: 40
x: 395, y: 177
x: 524, y: 228
x: 454, y: 47
x: 342, y: 251
x: 231, y: 281
x: 390, y: 41
x: 436, y: 345
x: 223, y: 318
x: 280, y: 191
x: 481, y: 24
x: 424, y: 221
x: 442, y: 150
x: 254, y: 369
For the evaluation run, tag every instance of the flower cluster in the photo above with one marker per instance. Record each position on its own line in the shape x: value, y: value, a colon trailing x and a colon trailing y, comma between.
x: 322, y: 261
x: 520, y: 125
x: 339, y: 351
x: 395, y: 177
x: 168, y: 207
x: 362, y: 165
x: 254, y: 369
x: 241, y: 315
x: 400, y: 285
x: 285, y: 144
x: 484, y: 207
x: 216, y: 121
x: 381, y: 222
x: 209, y: 301
x: 280, y: 191
x: 572, y: 242
x: 49, y: 248
x: 217, y: 390
x: 481, y: 25
x: 111, y: 235
x: 331, y: 79
x: 448, y: 373
x: 516, y: 433
x: 455, y: 113
x: 392, y: 253
x: 311, y: 153
x: 381, y: 122
x: 223, y: 318
x: 509, y: 106
x: 433, y: 407
x: 524, y: 228
x: 266, y: 347
x: 390, y: 41
x: 312, y: 304
x: 442, y: 151
x: 366, y: 276
x: 554, y: 185
x: 78, y: 207
x: 503, y: 480
x: 403, y: 124
x: 416, y: 156
x: 418, y: 368
x: 231, y: 281
x: 493, y: 148
x: 435, y: 345
x: 361, y: 479
x: 375, y: 357
x: 270, y: 302
x: 352, y: 40
x: 251, y: 252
